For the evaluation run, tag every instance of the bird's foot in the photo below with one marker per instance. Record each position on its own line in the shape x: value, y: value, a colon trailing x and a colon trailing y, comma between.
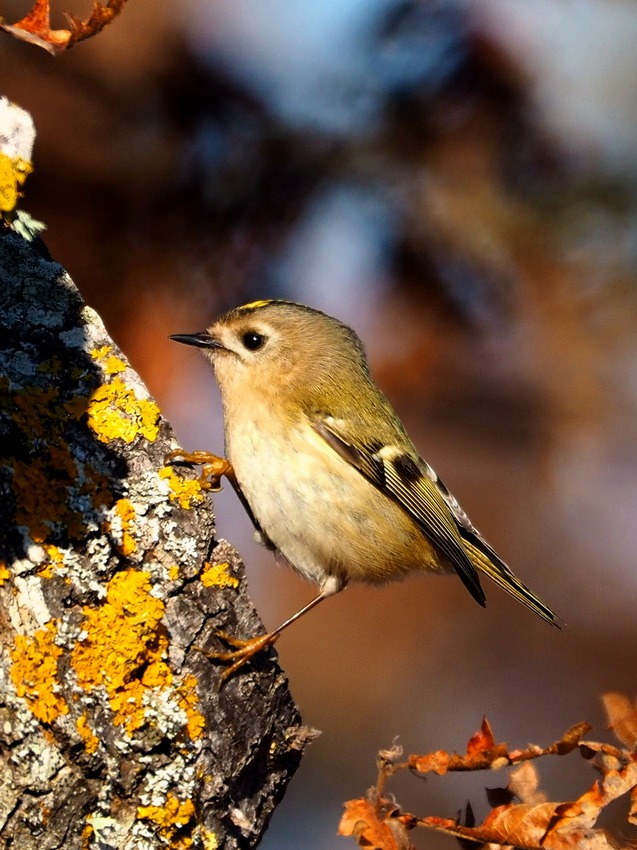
x: 213, y: 468
x: 244, y: 651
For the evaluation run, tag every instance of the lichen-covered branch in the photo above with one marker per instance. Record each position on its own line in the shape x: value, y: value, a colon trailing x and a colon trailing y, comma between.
x: 112, y: 730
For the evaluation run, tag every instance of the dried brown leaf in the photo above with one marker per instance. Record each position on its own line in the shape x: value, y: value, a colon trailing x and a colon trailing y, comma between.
x: 522, y: 825
x: 436, y: 762
x: 589, y: 749
x: 568, y: 742
x: 482, y: 741
x: 585, y: 811
x: 35, y: 27
x: 374, y: 827
x: 482, y: 752
x: 534, y: 823
x: 499, y: 797
x: 618, y: 782
x: 570, y: 739
x: 100, y: 17
x: 632, y: 814
x: 622, y: 718
x: 526, y: 827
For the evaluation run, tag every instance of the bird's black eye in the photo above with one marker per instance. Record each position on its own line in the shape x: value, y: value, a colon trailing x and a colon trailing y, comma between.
x: 252, y: 340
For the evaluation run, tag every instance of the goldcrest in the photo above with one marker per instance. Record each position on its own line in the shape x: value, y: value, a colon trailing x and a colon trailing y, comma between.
x: 324, y: 466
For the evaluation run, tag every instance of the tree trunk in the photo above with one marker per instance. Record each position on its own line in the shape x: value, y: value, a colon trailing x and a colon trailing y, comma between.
x: 113, y: 733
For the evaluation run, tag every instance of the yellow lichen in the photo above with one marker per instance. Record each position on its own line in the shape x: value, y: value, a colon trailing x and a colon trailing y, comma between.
x: 209, y: 839
x: 91, y: 741
x: 173, y: 572
x: 170, y: 819
x: 186, y: 491
x: 13, y: 172
x: 101, y: 352
x: 34, y: 672
x: 218, y: 575
x: 114, y: 365
x: 110, y: 363
x: 5, y: 575
x: 115, y: 411
x: 54, y: 562
x: 123, y: 650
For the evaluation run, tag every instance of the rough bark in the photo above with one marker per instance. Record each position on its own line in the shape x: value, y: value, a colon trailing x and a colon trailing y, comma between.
x: 112, y: 731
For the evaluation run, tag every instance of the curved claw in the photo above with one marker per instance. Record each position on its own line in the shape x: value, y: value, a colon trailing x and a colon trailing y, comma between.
x: 213, y: 467
x: 245, y: 651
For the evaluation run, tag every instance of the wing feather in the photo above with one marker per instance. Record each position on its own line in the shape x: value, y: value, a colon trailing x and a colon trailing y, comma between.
x: 414, y: 490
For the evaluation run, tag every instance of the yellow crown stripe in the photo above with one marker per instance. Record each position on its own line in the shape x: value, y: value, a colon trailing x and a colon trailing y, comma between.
x: 253, y: 305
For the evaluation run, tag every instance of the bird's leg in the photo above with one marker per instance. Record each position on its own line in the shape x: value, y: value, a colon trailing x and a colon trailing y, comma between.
x: 212, y: 467
x: 246, y: 649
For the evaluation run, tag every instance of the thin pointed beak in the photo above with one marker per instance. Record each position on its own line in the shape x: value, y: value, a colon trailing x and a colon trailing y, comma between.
x: 200, y: 340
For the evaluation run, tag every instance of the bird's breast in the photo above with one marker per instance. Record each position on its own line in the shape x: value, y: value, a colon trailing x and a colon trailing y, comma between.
x: 320, y: 512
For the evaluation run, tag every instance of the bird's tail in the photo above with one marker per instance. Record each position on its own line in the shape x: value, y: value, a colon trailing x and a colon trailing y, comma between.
x: 488, y: 562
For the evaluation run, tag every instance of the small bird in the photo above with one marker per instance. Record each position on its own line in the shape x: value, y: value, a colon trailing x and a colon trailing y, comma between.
x: 325, y: 468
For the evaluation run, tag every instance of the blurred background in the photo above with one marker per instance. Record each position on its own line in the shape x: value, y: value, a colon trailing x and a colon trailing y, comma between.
x: 458, y: 181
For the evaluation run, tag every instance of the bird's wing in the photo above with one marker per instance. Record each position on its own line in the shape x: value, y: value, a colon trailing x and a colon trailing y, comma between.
x: 411, y: 483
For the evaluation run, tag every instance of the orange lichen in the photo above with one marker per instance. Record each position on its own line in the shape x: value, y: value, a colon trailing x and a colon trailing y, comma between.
x: 38, y: 503
x: 123, y: 650
x: 62, y: 461
x: 115, y: 411
x: 91, y: 741
x: 5, y: 575
x: 52, y: 366
x: 170, y: 819
x: 47, y: 475
x: 121, y: 639
x: 34, y: 673
x: 33, y: 410
x: 88, y: 834
x: 218, y: 575
x: 186, y: 491
x: 125, y: 515
x: 188, y: 701
x: 77, y: 406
